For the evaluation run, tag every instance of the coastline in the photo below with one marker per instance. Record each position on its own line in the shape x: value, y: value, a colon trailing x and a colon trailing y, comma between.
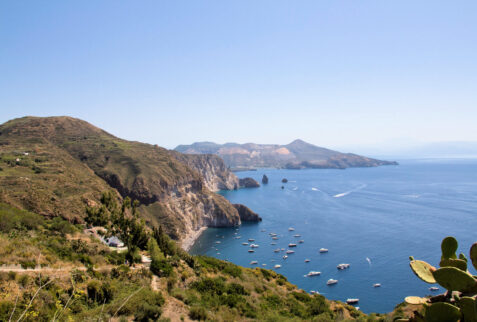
x: 191, y: 237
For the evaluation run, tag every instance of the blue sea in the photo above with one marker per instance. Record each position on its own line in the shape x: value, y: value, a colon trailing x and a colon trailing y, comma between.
x: 371, y: 218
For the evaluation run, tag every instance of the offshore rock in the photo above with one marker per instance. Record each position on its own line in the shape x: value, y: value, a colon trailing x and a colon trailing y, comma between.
x: 248, y: 183
x: 264, y: 179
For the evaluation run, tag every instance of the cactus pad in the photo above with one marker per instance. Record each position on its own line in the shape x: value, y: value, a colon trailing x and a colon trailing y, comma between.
x: 473, y: 255
x: 453, y: 279
x: 462, y: 256
x: 468, y: 307
x: 449, y: 247
x: 423, y: 270
x: 415, y: 300
x: 457, y: 263
x: 442, y: 311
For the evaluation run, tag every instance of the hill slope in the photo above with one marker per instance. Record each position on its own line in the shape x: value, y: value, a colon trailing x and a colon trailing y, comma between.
x: 296, y: 155
x: 56, y: 165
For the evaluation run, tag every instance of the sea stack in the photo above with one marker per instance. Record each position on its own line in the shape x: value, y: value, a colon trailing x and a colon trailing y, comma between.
x: 248, y: 183
x: 284, y: 180
x: 265, y: 179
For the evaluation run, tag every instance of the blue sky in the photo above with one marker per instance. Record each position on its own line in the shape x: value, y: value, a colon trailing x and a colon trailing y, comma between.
x: 334, y: 73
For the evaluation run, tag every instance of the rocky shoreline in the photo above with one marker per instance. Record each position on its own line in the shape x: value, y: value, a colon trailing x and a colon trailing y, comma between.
x: 191, y: 237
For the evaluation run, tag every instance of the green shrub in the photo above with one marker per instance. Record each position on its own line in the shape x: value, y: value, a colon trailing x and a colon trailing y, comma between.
x: 161, y: 268
x: 198, y: 313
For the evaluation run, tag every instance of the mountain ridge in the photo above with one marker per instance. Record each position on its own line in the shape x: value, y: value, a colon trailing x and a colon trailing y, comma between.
x: 297, y: 154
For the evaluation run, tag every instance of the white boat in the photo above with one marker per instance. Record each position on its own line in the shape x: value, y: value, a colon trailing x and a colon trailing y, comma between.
x: 323, y: 250
x: 352, y: 301
x: 254, y: 245
x: 275, y: 238
x: 264, y: 264
x: 291, y: 245
x: 253, y: 263
x: 331, y: 281
x: 272, y: 234
x: 217, y: 242
x: 277, y: 250
x: 301, y: 241
x: 313, y: 273
x: 273, y: 243
x: 290, y: 251
x: 291, y: 229
x: 251, y: 251
x: 237, y: 237
x: 297, y: 235
x: 251, y: 239
x: 277, y: 266
x: 433, y: 288
x: 314, y: 292
x: 285, y: 257
x: 377, y: 285
x: 342, y: 266
x: 245, y: 244
x: 307, y: 260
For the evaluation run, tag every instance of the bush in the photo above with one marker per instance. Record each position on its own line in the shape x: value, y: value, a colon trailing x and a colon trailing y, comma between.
x: 198, y: 313
x: 99, y: 292
x: 161, y: 268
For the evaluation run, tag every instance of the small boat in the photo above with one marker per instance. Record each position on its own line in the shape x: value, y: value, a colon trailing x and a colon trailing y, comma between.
x: 217, y: 242
x: 285, y: 257
x: 245, y: 244
x: 290, y: 251
x: 253, y: 263
x: 254, y: 246
x: 433, y: 288
x: 251, y: 251
x: 272, y: 234
x: 277, y: 250
x: 251, y: 239
x: 275, y: 238
x: 291, y: 229
x: 342, y: 266
x: 331, y: 281
x: 313, y: 273
x: 218, y: 253
x: 264, y: 264
x: 291, y: 245
x: 323, y: 250
x: 263, y: 230
x: 297, y: 235
x: 301, y: 241
x: 352, y: 301
x: 307, y: 260
x: 377, y: 285
x: 277, y: 266
x: 283, y: 249
x: 273, y: 243
x: 314, y: 292
x: 237, y: 237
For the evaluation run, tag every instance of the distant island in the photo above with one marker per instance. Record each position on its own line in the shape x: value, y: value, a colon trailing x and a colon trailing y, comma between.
x: 296, y: 155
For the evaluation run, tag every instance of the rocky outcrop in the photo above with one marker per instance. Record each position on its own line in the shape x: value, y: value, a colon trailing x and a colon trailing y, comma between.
x: 212, y: 168
x: 284, y: 180
x: 246, y: 214
x: 248, y: 183
x: 265, y: 179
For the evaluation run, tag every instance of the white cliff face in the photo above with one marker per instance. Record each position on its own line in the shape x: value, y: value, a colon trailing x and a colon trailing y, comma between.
x: 213, y: 170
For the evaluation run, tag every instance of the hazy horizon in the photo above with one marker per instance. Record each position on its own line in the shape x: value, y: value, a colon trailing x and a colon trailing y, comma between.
x: 342, y: 75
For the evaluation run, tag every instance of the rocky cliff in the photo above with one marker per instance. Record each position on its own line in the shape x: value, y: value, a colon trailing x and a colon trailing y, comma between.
x: 212, y: 168
x: 56, y: 165
x: 246, y: 214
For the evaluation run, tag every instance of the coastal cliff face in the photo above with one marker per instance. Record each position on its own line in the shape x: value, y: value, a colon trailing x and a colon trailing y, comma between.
x: 215, y: 173
x: 246, y: 214
x: 56, y: 166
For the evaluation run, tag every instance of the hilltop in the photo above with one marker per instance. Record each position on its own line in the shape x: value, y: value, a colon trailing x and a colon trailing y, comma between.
x: 56, y: 166
x: 295, y: 155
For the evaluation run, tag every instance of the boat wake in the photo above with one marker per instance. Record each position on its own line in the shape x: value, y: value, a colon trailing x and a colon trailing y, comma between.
x: 339, y: 195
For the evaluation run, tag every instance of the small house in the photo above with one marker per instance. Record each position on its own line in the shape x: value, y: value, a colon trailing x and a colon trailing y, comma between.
x: 114, y: 242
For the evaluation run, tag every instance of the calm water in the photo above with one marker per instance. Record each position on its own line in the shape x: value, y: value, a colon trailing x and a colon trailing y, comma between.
x: 371, y: 218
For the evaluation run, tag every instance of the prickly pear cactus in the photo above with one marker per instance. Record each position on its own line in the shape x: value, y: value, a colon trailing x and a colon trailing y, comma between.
x: 460, y: 300
x: 441, y: 311
x: 468, y: 307
x: 449, y: 247
x: 423, y: 270
x: 457, y: 263
x: 473, y: 255
x: 454, y: 279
